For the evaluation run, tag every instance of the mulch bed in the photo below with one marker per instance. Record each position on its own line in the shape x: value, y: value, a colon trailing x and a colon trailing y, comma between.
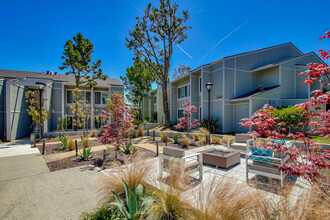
x: 54, y: 148
x: 97, y: 158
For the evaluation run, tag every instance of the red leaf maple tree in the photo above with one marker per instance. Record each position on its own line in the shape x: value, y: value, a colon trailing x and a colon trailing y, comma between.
x: 118, y: 130
x: 186, y: 122
x: 308, y: 160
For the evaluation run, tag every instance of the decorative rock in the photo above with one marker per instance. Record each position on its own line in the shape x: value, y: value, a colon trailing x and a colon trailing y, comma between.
x: 91, y: 167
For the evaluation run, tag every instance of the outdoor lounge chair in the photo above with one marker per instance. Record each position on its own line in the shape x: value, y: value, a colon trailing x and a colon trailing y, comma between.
x: 190, y: 163
x: 265, y: 163
x: 242, y: 142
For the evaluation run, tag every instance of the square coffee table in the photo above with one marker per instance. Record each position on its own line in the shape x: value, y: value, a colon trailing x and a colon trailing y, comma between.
x: 221, y: 158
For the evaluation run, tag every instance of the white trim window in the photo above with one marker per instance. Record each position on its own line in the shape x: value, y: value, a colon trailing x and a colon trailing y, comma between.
x: 155, y: 99
x: 83, y: 95
x: 184, y: 91
x: 100, y: 98
x: 200, y: 113
x: 200, y: 85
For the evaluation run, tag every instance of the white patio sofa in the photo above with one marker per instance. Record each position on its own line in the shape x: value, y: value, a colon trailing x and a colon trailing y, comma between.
x: 242, y: 143
x: 190, y: 163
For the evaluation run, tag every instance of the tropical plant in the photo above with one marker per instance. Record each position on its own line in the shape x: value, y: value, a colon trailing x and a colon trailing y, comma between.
x: 175, y: 138
x: 128, y: 148
x: 117, y: 132
x: 133, y: 207
x: 64, y: 142
x: 186, y: 122
x: 86, y: 153
x: 214, y: 127
x: 140, y: 131
x: 62, y: 124
x: 185, y: 141
x: 152, y: 40
x: 77, y: 57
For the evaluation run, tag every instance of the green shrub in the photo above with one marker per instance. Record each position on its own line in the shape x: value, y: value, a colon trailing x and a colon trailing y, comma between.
x: 137, y: 122
x: 105, y: 211
x: 146, y: 119
x: 64, y: 142
x: 176, y: 138
x: 290, y: 115
x: 214, y: 127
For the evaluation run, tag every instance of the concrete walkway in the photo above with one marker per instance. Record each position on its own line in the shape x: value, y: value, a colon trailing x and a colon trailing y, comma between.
x: 29, y: 191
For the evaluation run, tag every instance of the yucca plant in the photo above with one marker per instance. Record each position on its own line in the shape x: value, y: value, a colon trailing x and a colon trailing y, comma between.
x: 176, y: 138
x: 128, y: 148
x: 133, y: 206
x: 86, y: 153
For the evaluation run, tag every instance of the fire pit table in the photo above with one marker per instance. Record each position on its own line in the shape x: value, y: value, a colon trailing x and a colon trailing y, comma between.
x: 220, y: 158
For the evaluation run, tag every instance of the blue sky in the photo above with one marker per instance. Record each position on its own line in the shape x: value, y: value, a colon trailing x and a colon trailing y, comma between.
x: 32, y: 33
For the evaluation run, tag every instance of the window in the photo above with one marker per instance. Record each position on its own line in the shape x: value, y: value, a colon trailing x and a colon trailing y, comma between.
x: 104, y: 98
x: 200, y: 84
x: 101, y: 98
x: 97, y: 98
x: 155, y: 99
x: 180, y: 113
x: 200, y: 113
x: 69, y: 123
x: 69, y: 97
x: 183, y: 92
x: 83, y: 95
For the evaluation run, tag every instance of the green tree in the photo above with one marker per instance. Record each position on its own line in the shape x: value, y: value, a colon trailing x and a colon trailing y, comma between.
x: 153, y: 39
x: 77, y: 58
x: 181, y: 71
x: 137, y: 82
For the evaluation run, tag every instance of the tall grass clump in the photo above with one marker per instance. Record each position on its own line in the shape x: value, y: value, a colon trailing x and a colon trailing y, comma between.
x: 93, y: 133
x: 205, y: 135
x: 136, y: 173
x: 196, y: 137
x: 140, y: 131
x: 71, y: 144
x: 216, y: 140
x: 163, y: 136
x: 185, y: 141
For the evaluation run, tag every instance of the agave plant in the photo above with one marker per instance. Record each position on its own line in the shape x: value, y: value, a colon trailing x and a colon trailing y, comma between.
x: 134, y: 206
x: 175, y: 138
x: 128, y: 148
x: 86, y: 153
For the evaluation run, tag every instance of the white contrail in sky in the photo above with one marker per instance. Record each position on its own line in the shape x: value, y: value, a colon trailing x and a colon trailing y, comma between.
x: 137, y: 8
x: 228, y: 35
x: 184, y: 51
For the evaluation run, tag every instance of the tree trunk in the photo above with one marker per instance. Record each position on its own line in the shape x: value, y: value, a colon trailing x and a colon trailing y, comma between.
x: 165, y: 105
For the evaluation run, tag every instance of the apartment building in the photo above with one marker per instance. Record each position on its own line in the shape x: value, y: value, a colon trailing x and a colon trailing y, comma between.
x: 242, y: 84
x: 15, y: 121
